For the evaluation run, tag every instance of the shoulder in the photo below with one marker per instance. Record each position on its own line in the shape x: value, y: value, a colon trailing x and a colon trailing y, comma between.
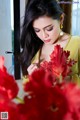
x: 77, y: 38
x: 73, y: 44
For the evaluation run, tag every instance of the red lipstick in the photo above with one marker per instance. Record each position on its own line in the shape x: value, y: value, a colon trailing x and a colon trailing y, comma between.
x: 46, y: 41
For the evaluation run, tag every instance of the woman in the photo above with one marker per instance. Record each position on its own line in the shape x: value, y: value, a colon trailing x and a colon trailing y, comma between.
x: 42, y: 30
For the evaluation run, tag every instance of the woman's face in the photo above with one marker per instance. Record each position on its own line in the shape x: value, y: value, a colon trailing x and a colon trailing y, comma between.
x: 47, y: 29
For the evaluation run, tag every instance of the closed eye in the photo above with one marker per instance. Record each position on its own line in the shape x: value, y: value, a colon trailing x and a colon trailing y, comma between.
x: 49, y: 28
x: 36, y: 30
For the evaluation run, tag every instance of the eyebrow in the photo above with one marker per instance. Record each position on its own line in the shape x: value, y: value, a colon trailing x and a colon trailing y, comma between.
x: 44, y: 27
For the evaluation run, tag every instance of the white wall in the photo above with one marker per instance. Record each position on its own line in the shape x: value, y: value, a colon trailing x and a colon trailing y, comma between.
x: 5, y: 31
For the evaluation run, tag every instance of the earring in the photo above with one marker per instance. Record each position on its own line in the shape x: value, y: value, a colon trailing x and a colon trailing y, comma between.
x: 61, y: 33
x: 61, y: 26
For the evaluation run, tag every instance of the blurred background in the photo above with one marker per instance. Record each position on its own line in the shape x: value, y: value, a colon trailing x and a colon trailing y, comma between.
x: 11, y: 19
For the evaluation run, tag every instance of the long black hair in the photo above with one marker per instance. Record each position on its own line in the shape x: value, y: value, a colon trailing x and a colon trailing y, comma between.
x: 30, y: 43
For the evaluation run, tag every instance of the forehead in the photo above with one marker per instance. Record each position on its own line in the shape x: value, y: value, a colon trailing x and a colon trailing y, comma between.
x: 43, y: 21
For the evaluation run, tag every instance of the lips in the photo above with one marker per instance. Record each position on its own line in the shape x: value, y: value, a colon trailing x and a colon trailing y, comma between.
x: 47, y: 40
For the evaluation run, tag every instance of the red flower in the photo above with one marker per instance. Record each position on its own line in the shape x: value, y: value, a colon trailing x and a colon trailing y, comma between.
x: 72, y: 94
x: 45, y: 99
x: 50, y: 100
x: 7, y: 82
x: 39, y: 79
x: 59, y: 64
x: 29, y: 110
x: 53, y: 101
x: 7, y: 105
x: 57, y: 105
x: 1, y: 62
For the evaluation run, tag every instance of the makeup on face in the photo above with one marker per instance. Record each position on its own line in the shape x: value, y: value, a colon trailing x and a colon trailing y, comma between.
x: 47, y: 29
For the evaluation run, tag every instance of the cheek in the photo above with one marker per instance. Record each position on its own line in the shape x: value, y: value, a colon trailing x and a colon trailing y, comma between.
x: 55, y: 33
x: 39, y: 36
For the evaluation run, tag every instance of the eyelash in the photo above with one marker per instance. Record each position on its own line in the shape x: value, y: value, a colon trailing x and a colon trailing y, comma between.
x: 36, y: 30
x: 48, y: 29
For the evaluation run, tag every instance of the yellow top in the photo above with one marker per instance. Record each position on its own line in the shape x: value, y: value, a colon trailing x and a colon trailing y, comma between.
x: 74, y: 47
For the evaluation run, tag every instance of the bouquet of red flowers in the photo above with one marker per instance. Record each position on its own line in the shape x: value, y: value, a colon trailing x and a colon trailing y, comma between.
x: 50, y: 94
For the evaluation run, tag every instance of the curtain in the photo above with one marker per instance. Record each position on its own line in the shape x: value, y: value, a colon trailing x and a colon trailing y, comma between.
x: 66, y: 5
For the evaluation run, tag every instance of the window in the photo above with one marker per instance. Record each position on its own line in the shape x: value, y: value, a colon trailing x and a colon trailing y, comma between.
x: 76, y: 17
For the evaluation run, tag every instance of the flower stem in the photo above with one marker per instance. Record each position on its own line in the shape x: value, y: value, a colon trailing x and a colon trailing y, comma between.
x: 60, y: 80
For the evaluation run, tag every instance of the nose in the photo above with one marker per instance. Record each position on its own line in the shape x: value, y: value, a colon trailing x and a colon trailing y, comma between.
x: 44, y: 34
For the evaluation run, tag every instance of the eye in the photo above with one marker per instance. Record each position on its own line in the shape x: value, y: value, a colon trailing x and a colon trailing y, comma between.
x: 49, y: 28
x: 36, y: 30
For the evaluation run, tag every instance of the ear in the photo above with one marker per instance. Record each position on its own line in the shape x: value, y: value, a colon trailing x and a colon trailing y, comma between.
x: 62, y: 18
